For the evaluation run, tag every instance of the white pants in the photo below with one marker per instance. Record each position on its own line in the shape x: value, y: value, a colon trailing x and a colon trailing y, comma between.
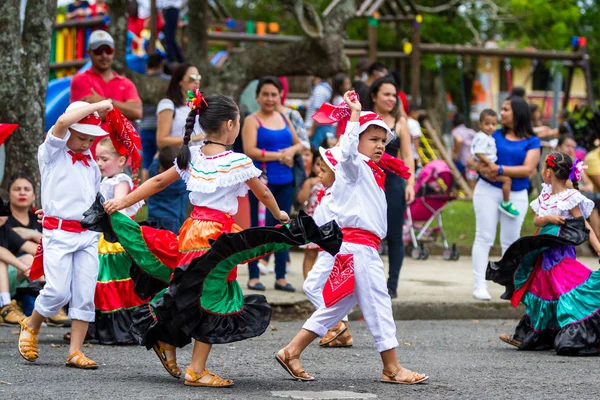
x: 371, y: 295
x: 486, y: 199
x: 316, y: 278
x: 71, y: 271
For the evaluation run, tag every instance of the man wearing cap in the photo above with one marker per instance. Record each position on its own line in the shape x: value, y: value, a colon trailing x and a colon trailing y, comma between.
x: 100, y: 82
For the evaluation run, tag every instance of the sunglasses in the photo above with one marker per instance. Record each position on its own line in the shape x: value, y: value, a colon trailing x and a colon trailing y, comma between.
x: 103, y: 49
x: 194, y: 78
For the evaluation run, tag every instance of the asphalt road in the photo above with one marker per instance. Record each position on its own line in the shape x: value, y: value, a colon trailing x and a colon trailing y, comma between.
x: 464, y: 359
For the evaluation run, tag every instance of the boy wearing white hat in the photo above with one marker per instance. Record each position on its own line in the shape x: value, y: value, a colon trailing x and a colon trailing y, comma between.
x: 70, y: 180
x: 358, y: 201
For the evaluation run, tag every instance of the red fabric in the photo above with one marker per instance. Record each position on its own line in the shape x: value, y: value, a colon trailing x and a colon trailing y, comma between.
x: 377, y: 173
x: 340, y: 283
x: 394, y: 165
x: 322, y: 193
x: 210, y: 214
x: 361, y: 236
x: 6, y: 130
x: 51, y: 223
x: 116, y: 295
x: 519, y: 293
x: 404, y: 102
x: 37, y: 266
x: 125, y: 138
x: 84, y: 158
x: 90, y: 120
x: 118, y: 88
x: 163, y: 244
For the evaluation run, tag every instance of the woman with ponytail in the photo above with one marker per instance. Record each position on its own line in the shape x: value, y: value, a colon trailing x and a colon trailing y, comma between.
x: 215, y: 177
x: 561, y: 295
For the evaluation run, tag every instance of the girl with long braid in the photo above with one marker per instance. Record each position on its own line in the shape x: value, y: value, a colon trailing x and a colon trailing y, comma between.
x: 215, y: 177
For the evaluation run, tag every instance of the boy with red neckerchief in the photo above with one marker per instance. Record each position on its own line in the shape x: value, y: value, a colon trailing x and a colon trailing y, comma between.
x: 70, y: 179
x: 358, y: 200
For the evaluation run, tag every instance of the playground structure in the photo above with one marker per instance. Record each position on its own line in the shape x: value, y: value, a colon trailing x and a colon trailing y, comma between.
x: 231, y: 33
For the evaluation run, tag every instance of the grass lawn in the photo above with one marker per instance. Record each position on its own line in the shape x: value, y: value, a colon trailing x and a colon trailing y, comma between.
x: 459, y: 223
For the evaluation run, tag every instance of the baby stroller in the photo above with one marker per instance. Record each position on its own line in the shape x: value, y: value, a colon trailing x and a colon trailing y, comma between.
x: 433, y: 188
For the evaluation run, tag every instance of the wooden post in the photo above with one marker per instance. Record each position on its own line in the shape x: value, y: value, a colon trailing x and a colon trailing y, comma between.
x: 569, y: 82
x: 153, y: 30
x: 372, y: 43
x: 415, y: 62
x: 585, y: 65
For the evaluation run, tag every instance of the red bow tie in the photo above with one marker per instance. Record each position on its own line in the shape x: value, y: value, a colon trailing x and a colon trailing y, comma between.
x: 84, y: 158
x: 377, y: 173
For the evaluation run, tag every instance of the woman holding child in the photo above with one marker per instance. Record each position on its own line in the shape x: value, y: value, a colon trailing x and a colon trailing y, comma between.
x: 518, y: 152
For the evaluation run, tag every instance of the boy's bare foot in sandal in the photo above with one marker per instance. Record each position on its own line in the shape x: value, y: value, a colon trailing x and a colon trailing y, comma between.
x: 205, y: 379
x: 291, y: 363
x: 401, y: 375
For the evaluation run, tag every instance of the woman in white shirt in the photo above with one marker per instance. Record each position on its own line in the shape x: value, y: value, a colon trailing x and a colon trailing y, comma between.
x: 172, y: 111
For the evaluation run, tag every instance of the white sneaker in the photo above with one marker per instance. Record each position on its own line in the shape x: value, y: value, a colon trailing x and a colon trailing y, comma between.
x: 481, y: 294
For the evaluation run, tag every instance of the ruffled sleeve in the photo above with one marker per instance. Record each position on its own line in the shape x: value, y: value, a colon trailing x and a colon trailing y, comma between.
x: 545, y: 193
x: 205, y: 174
x: 573, y: 198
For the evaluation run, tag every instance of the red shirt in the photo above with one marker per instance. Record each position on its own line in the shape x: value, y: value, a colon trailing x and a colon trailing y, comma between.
x: 118, y: 88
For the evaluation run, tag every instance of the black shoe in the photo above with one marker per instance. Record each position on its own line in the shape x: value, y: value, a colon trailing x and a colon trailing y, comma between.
x: 257, y: 286
x: 286, y: 288
x: 393, y: 294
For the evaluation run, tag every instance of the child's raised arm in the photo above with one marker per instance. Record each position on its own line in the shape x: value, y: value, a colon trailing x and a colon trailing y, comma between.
x: 264, y: 195
x: 69, y: 118
x: 593, y: 239
x: 148, y: 188
x: 349, y: 142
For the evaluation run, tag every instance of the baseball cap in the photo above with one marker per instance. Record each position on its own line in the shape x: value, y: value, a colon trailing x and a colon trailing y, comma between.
x: 100, y: 38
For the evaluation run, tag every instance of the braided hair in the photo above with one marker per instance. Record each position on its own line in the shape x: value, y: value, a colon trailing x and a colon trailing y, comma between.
x: 561, y: 164
x: 217, y: 110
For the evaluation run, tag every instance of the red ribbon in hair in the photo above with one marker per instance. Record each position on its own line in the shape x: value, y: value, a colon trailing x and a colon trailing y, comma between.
x: 195, y: 99
x: 125, y: 138
x: 550, y: 161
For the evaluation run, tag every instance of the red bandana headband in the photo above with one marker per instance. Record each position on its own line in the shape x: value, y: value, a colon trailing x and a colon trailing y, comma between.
x: 125, y: 138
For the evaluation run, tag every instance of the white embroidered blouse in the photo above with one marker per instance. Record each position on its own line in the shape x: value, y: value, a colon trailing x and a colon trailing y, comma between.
x: 561, y: 203
x: 217, y: 181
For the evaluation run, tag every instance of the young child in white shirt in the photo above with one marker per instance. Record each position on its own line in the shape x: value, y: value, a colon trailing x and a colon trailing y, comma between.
x: 70, y: 180
x: 483, y: 149
x: 358, y: 200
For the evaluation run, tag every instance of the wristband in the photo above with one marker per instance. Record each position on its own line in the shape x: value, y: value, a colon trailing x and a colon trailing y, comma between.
x: 500, y: 170
x: 264, y: 152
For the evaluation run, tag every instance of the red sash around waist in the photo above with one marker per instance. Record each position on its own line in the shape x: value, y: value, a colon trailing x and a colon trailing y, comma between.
x: 361, y: 236
x: 52, y: 223
x: 210, y: 214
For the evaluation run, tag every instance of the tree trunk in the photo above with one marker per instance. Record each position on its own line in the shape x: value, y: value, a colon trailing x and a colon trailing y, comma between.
x: 24, y: 80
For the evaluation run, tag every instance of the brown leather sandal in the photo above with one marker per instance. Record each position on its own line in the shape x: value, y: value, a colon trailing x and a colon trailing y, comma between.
x: 343, y: 340
x: 411, y: 379
x: 298, y: 374
x: 333, y: 333
x: 82, y: 361
x: 215, y: 381
x: 170, y: 365
x: 510, y: 340
x: 28, y: 347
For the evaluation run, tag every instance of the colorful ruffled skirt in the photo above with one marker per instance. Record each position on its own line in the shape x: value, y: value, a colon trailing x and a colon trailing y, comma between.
x: 560, y: 294
x: 202, y: 301
x: 115, y: 298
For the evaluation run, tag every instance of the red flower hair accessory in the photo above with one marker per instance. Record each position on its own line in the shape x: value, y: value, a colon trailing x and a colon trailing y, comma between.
x: 550, y: 161
x: 195, y: 99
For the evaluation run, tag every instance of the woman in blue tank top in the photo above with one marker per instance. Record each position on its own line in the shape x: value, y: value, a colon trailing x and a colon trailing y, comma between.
x: 271, y: 141
x: 518, y: 152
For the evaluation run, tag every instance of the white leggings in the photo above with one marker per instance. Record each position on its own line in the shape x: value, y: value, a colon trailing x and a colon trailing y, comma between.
x: 486, y: 199
x: 316, y: 278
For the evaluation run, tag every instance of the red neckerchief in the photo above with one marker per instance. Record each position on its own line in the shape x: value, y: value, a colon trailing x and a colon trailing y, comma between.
x: 377, y: 173
x: 84, y: 158
x: 320, y: 194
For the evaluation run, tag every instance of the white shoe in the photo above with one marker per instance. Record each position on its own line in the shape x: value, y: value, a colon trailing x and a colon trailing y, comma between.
x: 481, y: 294
x: 263, y: 267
